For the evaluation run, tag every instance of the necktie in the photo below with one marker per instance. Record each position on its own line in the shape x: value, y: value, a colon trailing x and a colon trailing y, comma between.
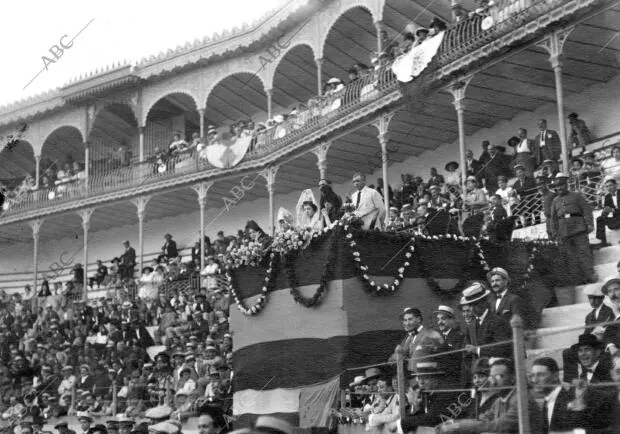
x: 584, y: 373
x: 359, y: 196
x: 545, y: 417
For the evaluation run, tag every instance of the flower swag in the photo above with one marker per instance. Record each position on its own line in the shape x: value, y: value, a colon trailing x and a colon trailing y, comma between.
x: 269, y: 280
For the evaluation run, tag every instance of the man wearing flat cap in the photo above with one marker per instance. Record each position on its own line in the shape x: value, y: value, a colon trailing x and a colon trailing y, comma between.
x: 419, y: 340
x: 571, y: 222
x: 502, y: 301
x: 486, y: 328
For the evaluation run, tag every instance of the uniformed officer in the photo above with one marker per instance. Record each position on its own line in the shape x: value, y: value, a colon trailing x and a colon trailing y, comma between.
x: 546, y: 196
x: 571, y: 221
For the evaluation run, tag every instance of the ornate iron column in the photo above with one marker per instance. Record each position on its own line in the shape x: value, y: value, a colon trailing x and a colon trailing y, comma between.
x: 382, y: 124
x: 319, y: 76
x: 270, y: 176
x: 85, y: 214
x: 458, y: 92
x: 321, y: 153
x: 201, y: 113
x: 37, y: 162
x: 554, y: 45
x: 141, y: 143
x: 269, y: 104
x: 35, y: 225
x: 202, y: 189
x: 140, y: 203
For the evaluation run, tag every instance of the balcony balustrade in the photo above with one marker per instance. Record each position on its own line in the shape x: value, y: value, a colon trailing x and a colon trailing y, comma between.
x: 463, y: 38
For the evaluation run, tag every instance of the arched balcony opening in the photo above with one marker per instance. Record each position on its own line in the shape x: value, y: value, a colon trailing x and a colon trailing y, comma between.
x: 294, y: 81
x: 62, y: 156
x: 174, y: 114
x: 240, y: 97
x: 113, y: 139
x: 17, y: 162
x: 351, y: 40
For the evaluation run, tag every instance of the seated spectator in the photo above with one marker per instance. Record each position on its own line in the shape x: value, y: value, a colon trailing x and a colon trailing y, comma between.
x: 169, y: 249
x: 100, y: 274
x: 177, y: 144
x: 484, y: 396
x: 503, y: 416
x: 580, y: 134
x: 593, y: 364
x: 256, y: 234
x: 611, y: 165
x: 44, y: 291
x: 210, y: 272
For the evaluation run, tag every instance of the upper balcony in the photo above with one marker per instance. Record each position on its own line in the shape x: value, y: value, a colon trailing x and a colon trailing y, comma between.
x: 512, y: 74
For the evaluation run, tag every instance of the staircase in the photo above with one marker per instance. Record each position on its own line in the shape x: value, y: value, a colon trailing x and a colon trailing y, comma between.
x: 573, y: 303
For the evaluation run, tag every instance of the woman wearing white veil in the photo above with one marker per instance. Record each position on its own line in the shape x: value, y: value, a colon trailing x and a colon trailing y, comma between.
x: 308, y: 216
x: 285, y: 220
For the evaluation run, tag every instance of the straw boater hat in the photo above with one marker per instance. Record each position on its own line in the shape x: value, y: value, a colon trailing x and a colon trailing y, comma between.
x: 447, y: 310
x: 84, y: 415
x: 357, y: 381
x: 594, y: 291
x: 371, y: 373
x: 499, y: 272
x: 273, y: 424
x: 476, y: 292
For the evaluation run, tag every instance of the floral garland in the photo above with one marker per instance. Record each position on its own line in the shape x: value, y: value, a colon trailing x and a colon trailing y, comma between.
x: 530, y: 267
x: 328, y: 269
x: 250, y: 253
x: 262, y: 300
x: 362, y: 270
x: 292, y: 240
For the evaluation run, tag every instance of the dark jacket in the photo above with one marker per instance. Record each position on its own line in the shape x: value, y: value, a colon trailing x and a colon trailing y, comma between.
x: 598, y: 414
x: 170, y: 249
x: 433, y: 411
x: 511, y: 303
x: 493, y: 329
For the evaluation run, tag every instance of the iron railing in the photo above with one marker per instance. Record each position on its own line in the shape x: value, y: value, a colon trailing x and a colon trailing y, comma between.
x: 460, y: 39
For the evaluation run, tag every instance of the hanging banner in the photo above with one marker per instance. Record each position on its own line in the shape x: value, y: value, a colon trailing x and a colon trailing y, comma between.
x: 226, y: 151
x: 411, y: 64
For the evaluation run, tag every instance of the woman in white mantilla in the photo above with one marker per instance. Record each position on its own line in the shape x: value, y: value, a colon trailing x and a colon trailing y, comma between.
x: 308, y: 216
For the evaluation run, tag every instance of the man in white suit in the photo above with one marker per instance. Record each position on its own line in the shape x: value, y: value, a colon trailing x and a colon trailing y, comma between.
x: 368, y: 203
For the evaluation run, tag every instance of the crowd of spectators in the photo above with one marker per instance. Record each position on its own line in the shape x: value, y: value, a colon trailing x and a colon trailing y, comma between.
x: 460, y: 375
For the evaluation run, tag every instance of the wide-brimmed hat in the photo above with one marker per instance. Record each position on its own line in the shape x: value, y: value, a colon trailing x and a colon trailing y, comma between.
x: 588, y: 340
x: 476, y: 292
x: 334, y: 80
x: 421, y: 30
x: 371, y: 373
x: 452, y: 164
x: 412, y: 310
x: 498, y: 271
x: 427, y: 368
x: 608, y: 282
x: 357, y: 381
x: 514, y: 141
x: 445, y: 310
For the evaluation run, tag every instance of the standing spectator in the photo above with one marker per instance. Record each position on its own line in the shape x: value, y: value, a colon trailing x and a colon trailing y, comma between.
x: 580, y: 134
x: 473, y: 166
x: 419, y: 341
x: 503, y: 302
x: 610, y: 217
x: 210, y: 273
x: 127, y: 261
x: 485, y: 156
x: 169, y: 249
x: 525, y: 150
x: 368, y: 203
x: 571, y: 222
x: 548, y: 142
x: 453, y: 339
x: 611, y: 165
x: 100, y: 274
x: 547, y: 197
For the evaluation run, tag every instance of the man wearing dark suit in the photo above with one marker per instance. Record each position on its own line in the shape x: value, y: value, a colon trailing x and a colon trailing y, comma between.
x: 496, y: 166
x: 503, y: 302
x: 610, y: 217
x: 525, y: 188
x: 453, y: 339
x: 143, y: 336
x: 487, y: 327
x: 419, y: 341
x: 128, y: 261
x: 548, y: 142
x: 473, y: 166
x: 593, y: 364
x: 485, y: 156
x: 169, y: 249
x: 433, y: 225
x: 429, y: 408
x: 566, y: 410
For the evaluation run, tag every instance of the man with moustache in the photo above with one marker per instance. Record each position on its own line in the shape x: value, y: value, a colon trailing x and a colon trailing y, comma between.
x: 453, y: 339
x: 593, y: 363
x: 502, y: 301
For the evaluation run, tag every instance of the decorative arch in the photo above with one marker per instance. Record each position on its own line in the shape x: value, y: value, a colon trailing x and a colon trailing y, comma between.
x: 16, y: 161
x: 328, y: 25
x: 150, y: 103
x: 115, y: 126
x: 256, y: 73
x: 63, y: 145
x: 274, y: 67
x: 236, y: 96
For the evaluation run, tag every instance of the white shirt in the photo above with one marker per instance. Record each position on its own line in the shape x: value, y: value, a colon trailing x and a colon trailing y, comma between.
x: 523, y: 146
x: 543, y: 136
x: 591, y: 370
x: 499, y: 299
x: 551, y: 398
x: 370, y: 205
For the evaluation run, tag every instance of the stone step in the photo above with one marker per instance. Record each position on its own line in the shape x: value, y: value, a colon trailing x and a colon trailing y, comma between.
x: 561, y: 316
x: 606, y: 255
x: 605, y: 271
